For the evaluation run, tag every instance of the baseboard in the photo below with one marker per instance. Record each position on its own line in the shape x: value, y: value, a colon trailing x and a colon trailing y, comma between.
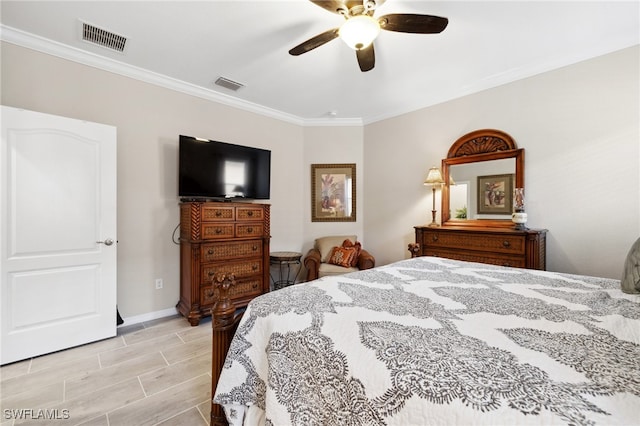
x: 136, y: 319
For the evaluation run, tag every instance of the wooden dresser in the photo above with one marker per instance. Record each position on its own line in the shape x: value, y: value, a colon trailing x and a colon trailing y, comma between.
x: 497, y: 246
x: 222, y: 238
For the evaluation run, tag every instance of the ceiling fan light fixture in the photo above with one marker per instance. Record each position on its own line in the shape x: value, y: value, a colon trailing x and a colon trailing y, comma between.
x: 359, y: 31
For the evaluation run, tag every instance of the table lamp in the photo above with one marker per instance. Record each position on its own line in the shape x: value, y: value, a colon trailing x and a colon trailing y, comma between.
x: 434, y: 178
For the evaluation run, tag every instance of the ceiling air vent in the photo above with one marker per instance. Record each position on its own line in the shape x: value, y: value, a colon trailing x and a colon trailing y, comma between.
x: 104, y: 38
x: 228, y: 84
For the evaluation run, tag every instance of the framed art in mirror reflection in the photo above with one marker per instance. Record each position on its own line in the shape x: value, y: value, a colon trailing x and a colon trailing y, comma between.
x: 495, y: 194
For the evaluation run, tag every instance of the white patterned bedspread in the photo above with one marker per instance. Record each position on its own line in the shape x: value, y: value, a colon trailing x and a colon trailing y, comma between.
x: 431, y: 341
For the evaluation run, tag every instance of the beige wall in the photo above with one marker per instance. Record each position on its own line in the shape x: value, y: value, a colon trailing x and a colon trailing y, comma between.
x: 331, y: 145
x: 148, y: 120
x: 579, y: 126
x: 571, y: 122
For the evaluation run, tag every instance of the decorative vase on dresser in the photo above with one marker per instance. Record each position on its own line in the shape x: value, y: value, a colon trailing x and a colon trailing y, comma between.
x: 222, y: 238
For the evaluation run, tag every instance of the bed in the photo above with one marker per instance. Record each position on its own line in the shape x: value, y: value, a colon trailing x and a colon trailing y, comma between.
x: 432, y: 341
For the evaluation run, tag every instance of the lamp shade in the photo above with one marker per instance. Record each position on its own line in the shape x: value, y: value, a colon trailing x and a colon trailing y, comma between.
x: 434, y: 177
x: 359, y: 31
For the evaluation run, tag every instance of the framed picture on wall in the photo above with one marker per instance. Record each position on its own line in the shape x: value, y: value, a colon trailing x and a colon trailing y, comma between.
x: 495, y: 193
x: 333, y: 192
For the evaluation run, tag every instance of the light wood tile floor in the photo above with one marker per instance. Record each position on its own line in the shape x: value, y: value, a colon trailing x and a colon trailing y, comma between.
x: 154, y: 373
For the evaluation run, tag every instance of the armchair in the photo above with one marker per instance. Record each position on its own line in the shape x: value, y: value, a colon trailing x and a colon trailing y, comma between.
x: 319, y: 261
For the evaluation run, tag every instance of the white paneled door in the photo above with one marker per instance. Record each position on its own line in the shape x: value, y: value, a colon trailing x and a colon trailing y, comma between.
x: 57, y: 233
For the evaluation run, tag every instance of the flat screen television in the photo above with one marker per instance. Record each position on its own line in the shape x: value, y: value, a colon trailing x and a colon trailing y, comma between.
x: 210, y: 169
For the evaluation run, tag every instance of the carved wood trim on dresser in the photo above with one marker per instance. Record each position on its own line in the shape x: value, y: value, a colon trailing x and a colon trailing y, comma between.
x: 497, y: 246
x: 481, y: 142
x: 222, y: 238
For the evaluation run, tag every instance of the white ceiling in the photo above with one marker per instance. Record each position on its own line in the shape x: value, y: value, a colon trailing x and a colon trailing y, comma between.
x: 188, y: 45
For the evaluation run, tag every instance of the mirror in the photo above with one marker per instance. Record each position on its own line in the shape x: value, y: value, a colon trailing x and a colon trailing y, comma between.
x: 464, y: 194
x: 484, y: 165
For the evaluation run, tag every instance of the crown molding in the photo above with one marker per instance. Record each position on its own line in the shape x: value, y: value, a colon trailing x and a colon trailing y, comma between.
x: 50, y: 47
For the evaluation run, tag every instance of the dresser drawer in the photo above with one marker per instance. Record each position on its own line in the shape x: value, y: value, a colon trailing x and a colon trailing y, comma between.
x: 249, y: 230
x: 212, y: 231
x: 469, y: 256
x: 513, y: 244
x: 249, y: 213
x: 250, y: 287
x: 217, y: 213
x: 230, y: 250
x: 240, y: 269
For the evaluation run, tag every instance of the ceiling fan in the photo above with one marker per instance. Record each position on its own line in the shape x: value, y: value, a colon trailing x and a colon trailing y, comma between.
x: 361, y: 28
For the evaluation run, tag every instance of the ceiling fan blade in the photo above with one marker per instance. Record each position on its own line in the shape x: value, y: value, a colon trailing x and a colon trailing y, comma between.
x: 413, y: 23
x: 314, y: 42
x: 333, y: 6
x: 366, y: 58
x: 343, y: 6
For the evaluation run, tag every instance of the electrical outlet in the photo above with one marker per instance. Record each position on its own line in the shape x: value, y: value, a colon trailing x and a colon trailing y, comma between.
x: 158, y: 283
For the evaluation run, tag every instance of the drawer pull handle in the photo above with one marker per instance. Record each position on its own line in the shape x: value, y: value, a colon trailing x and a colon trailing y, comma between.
x: 254, y: 286
x: 211, y: 273
x: 506, y: 264
x: 434, y: 237
x: 254, y: 267
x: 249, y: 213
x: 218, y: 213
x: 506, y: 243
x: 209, y: 293
x: 218, y: 231
x: 254, y: 248
x: 210, y: 251
x: 249, y: 230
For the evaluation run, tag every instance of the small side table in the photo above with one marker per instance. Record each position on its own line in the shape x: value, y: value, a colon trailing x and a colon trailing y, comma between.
x: 289, y: 260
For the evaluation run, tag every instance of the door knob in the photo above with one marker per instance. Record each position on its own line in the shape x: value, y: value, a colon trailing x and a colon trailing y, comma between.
x: 106, y: 242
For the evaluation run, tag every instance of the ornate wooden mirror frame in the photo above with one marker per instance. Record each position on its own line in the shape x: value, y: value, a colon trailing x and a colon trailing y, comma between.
x: 478, y: 146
